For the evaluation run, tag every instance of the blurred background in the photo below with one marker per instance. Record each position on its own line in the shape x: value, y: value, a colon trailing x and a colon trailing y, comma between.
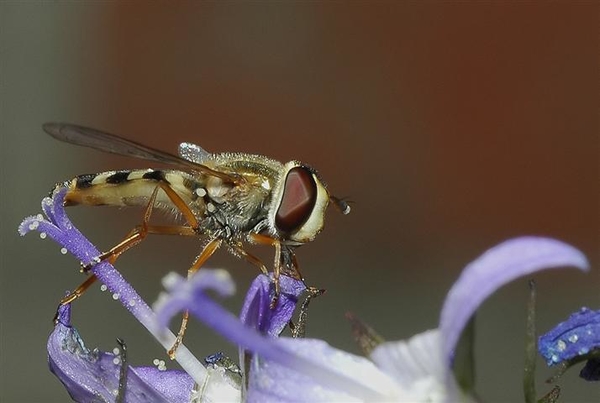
x: 451, y: 127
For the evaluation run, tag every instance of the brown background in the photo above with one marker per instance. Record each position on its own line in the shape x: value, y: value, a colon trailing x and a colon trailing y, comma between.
x: 452, y: 126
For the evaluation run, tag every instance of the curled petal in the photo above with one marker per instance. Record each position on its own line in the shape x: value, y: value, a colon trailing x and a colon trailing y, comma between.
x: 93, y: 375
x: 574, y: 337
x: 496, y: 267
x: 257, y: 311
x: 61, y: 230
x: 315, y: 361
x: 183, y: 293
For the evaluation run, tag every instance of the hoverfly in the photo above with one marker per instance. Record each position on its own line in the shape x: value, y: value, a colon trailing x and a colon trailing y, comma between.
x: 229, y: 199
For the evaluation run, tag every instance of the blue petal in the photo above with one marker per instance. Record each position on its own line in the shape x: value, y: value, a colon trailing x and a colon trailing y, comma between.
x: 314, y: 361
x: 257, y: 311
x: 496, y: 267
x: 92, y: 375
x: 576, y: 336
x: 63, y: 232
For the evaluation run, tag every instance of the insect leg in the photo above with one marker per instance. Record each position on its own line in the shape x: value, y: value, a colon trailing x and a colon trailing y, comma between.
x: 267, y: 240
x: 206, y: 253
x: 299, y: 329
x: 151, y: 229
x: 239, y: 249
x: 276, y: 272
x: 78, y: 292
x: 139, y: 233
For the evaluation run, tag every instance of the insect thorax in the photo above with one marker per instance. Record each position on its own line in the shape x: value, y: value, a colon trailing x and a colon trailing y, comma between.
x: 233, y: 210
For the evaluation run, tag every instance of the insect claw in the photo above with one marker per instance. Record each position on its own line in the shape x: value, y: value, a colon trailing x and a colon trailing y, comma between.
x: 298, y: 330
x: 55, y: 318
x: 86, y: 267
x: 274, y: 301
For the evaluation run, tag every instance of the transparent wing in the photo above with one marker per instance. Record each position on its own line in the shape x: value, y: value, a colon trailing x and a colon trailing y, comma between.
x: 86, y: 137
x: 193, y: 152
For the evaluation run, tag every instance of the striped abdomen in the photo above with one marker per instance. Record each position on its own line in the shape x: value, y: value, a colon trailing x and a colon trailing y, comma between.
x: 129, y: 187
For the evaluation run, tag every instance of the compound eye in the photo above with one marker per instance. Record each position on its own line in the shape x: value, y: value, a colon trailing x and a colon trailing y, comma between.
x: 298, y: 200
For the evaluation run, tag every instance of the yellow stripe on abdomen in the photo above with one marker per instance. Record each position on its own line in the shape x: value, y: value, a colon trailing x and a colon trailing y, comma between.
x: 125, y: 188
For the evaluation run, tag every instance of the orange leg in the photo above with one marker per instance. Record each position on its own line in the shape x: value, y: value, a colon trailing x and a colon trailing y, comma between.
x: 257, y: 262
x: 138, y: 234
x: 111, y: 258
x: 277, y: 268
x: 239, y: 249
x: 206, y: 253
x: 299, y: 329
x: 267, y: 240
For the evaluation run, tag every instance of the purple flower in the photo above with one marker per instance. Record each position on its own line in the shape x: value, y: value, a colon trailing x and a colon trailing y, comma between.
x: 418, y: 369
x: 284, y: 369
x: 95, y: 375
x: 66, y: 361
x: 574, y: 338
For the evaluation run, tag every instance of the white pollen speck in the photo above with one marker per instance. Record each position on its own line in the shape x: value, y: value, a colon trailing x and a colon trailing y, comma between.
x: 48, y: 201
x: 573, y: 338
x: 155, y: 361
x: 63, y: 251
x: 43, y: 235
x: 200, y: 192
x: 115, y: 296
x: 583, y: 350
x: 33, y: 225
x: 116, y: 351
x: 39, y: 217
x: 210, y: 207
x: 561, y: 345
x: 103, y: 287
x: 266, y: 185
x: 131, y: 302
x: 116, y: 360
x: 554, y: 358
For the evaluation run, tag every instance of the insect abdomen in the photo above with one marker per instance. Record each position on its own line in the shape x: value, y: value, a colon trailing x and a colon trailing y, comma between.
x: 124, y: 188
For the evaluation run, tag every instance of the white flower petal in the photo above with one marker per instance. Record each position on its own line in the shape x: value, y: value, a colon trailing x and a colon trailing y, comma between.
x: 270, y: 381
x: 410, y: 360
